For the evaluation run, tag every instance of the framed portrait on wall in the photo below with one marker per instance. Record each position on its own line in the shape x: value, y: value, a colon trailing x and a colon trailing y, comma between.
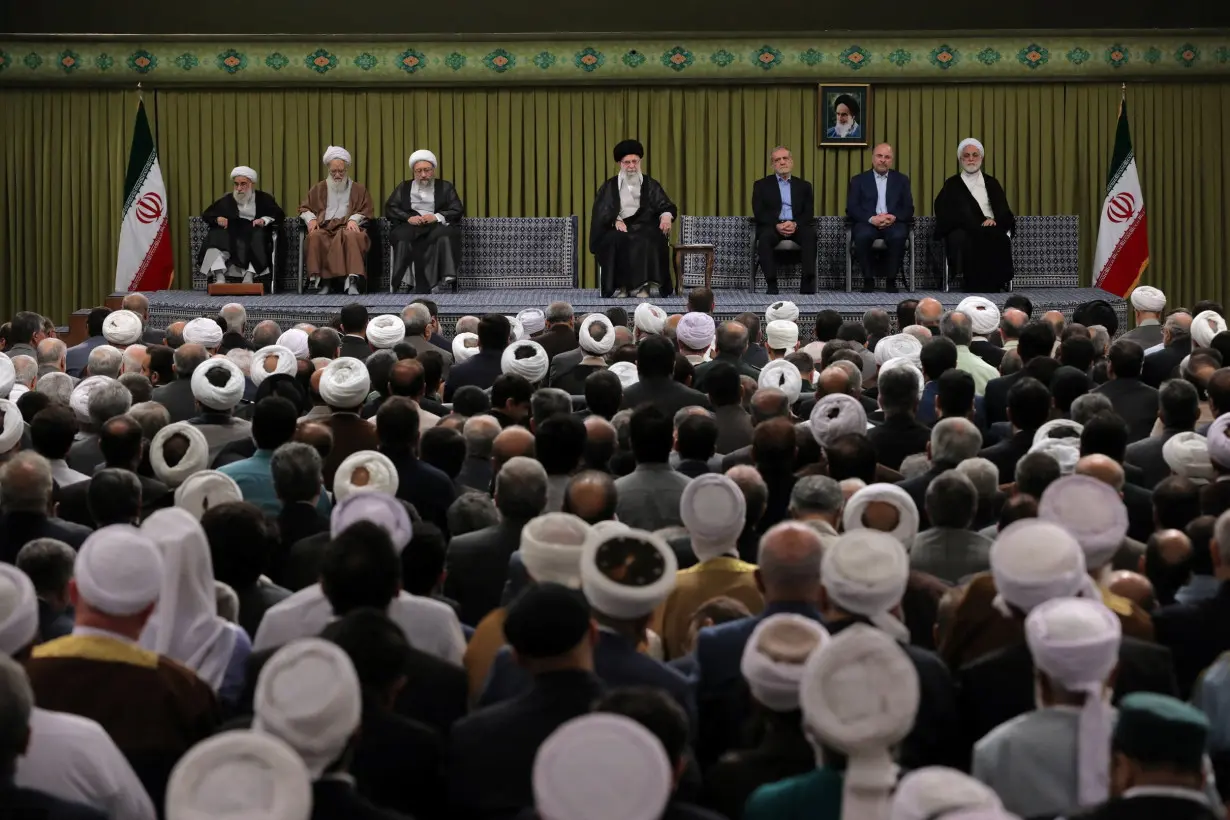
x: 844, y: 112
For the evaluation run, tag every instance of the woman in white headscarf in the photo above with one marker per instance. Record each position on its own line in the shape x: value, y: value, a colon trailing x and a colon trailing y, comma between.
x: 425, y: 212
x: 974, y: 219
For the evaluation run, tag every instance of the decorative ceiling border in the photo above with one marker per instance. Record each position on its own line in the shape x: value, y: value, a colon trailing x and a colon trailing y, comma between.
x: 485, y: 62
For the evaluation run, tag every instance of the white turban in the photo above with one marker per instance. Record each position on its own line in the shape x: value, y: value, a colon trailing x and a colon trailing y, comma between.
x: 385, y: 330
x: 1218, y: 438
x: 1065, y: 451
x: 627, y: 373
x: 516, y: 332
x: 345, y: 383
x: 933, y: 791
x: 18, y: 610
x: 14, y: 425
x: 961, y: 147
x: 774, y: 658
x: 836, y: 415
x: 308, y: 696
x: 1148, y: 299
x: 1033, y: 561
x: 241, y: 358
x: 380, y: 508
x: 195, y: 459
x: 204, y: 332
x: 380, y: 475
x: 118, y: 571
x: 240, y: 774
x: 286, y: 363
x: 1089, y: 509
x: 784, y: 376
x: 244, y: 171
x: 860, y: 696
x: 336, y: 152
x: 551, y: 546
x: 781, y: 311
x: 1206, y: 325
x: 865, y: 573
x: 1186, y: 454
x: 574, y: 768
x: 696, y: 330
x: 8, y: 377
x: 907, y: 511
x: 712, y: 509
x: 649, y: 318
x: 79, y: 399
x: 123, y: 327
x: 214, y: 397
x: 1046, y: 431
x: 982, y: 312
x: 296, y: 341
x: 646, y: 586
x: 902, y: 363
x: 204, y: 490
x: 533, y: 368
x: 1075, y: 643
x: 462, y: 351
x: 532, y: 320
x: 421, y: 155
x: 781, y: 334
x: 897, y: 346
x: 592, y: 346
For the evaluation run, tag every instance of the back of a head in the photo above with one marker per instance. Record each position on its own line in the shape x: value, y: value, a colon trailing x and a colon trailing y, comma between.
x: 397, y: 426
x: 1037, y: 339
x: 26, y: 482
x: 1178, y: 405
x: 1067, y: 385
x: 789, y: 560
x: 548, y: 401
x: 954, y: 439
x: 114, y: 497
x: 1126, y: 359
x: 1035, y: 472
x: 774, y: 444
x: 1029, y: 404
x: 493, y: 332
x: 697, y: 437
x: 828, y: 323
x: 603, y: 393
x: 1078, y: 352
x: 898, y: 391
x: 955, y: 325
x: 354, y: 318
x: 1087, y: 406
x: 443, y: 448
x: 701, y: 300
x: 1176, y: 502
x: 375, y: 645
x: 560, y: 442
x: 521, y: 488
x: 48, y: 563
x: 360, y: 568
x: 655, y: 357
x: 955, y: 393
x: 273, y: 422
x: 654, y: 709
x: 652, y: 433
x: 471, y: 401
x: 732, y: 338
x: 938, y: 356
x: 1105, y: 434
x: 816, y: 495
x: 851, y: 456
x: 951, y: 500
x: 52, y: 432
x: 241, y: 541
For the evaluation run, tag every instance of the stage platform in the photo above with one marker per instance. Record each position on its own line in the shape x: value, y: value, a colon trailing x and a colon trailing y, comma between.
x: 288, y: 309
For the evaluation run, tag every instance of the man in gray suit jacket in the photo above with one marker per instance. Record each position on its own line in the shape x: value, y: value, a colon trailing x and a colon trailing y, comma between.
x: 1132, y: 399
x: 177, y: 396
x: 950, y: 550
x: 418, y: 333
x: 1179, y: 410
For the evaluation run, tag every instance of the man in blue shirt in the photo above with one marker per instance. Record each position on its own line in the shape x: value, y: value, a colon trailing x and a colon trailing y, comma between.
x: 879, y: 206
x: 783, y: 207
x: 273, y: 424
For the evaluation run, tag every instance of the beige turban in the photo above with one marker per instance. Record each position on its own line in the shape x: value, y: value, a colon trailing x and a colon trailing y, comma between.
x: 712, y: 509
x: 244, y: 171
x: 118, y: 571
x: 695, y: 330
x: 836, y: 415
x: 296, y: 341
x: 627, y: 373
x: 907, y: 511
x: 284, y: 364
x: 385, y: 331
x: 626, y: 573
x: 865, y: 573
x: 462, y: 347
x: 781, y: 311
x: 932, y: 792
x: 1033, y: 561
x: 365, y: 471
x: 18, y: 610
x: 592, y: 346
x: 422, y: 155
x: 210, y: 395
x: 14, y: 425
x: 784, y: 376
x: 982, y: 312
x: 1205, y: 326
x: 532, y: 320
x: 123, y: 327
x: 336, y: 152
x: 204, y: 490
x: 345, y: 383
x: 533, y: 368
x: 898, y: 346
x: 377, y: 507
x: 1089, y: 509
x: 1148, y: 299
x: 551, y: 546
x: 79, y: 399
x: 1218, y: 439
x: 649, y: 318
x: 774, y: 657
x: 194, y: 460
x: 1186, y: 454
x: 240, y: 774
x: 781, y: 334
x: 203, y: 332
x: 8, y: 377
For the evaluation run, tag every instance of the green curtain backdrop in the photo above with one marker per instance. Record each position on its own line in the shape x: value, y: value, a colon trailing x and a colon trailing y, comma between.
x: 515, y: 152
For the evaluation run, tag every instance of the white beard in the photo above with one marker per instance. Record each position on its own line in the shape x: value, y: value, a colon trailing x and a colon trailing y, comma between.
x: 242, y: 197
x: 843, y: 129
x: 630, y: 176
x: 337, y: 186
x: 971, y: 167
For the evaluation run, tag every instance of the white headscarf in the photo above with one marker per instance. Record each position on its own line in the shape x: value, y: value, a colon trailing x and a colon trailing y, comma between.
x: 1033, y: 561
x: 1148, y: 299
x: 897, y: 346
x: 196, y: 458
x: 378, y: 507
x: 836, y: 415
x: 1089, y: 509
x: 204, y: 490
x: 1206, y: 325
x: 532, y: 320
x: 1186, y: 454
x: 784, y: 376
x: 865, y: 573
x: 934, y: 791
x: 118, y: 571
x: 907, y: 511
x: 18, y: 610
x: 774, y: 657
x: 460, y: 351
x: 381, y: 475
x: 14, y: 425
x: 649, y: 318
x: 296, y: 341
x: 627, y: 373
x: 244, y: 171
x: 203, y: 332
x: 781, y: 334
x: 712, y: 509
x: 240, y: 774
x: 592, y: 346
x: 1075, y: 643
x: 336, y: 152
x: 533, y: 368
x: 185, y: 625
x: 286, y: 364
x: 79, y: 399
x: 860, y: 696
x: 385, y: 331
x: 551, y: 546
x: 422, y: 155
x: 345, y: 383
x: 123, y: 327
x: 982, y: 312
x: 781, y: 311
x: 625, y: 601
x: 212, y: 396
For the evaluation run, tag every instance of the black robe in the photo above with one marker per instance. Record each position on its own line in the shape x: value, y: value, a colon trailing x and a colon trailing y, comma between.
x: 245, y: 244
x: 980, y: 258
x: 434, y: 260
x: 641, y: 255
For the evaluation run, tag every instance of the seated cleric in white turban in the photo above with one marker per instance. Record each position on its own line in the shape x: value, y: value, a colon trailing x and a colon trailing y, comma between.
x: 631, y: 223
x: 241, y: 225
x: 334, y: 212
x: 973, y: 218
x: 425, y: 238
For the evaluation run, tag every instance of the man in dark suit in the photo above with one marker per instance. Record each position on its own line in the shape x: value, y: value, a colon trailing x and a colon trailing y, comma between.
x: 1196, y: 632
x: 1029, y: 404
x: 26, y: 478
x: 1037, y: 339
x: 900, y: 435
x: 177, y: 396
x: 428, y: 488
x: 75, y: 357
x: 483, y: 368
x: 1149, y: 306
x: 731, y: 342
x: 783, y: 207
x: 952, y: 441
x: 120, y: 440
x: 879, y: 206
x: 560, y: 335
x: 1177, y: 343
x: 655, y: 364
x: 1134, y: 400
x: 1179, y: 410
x: 353, y: 325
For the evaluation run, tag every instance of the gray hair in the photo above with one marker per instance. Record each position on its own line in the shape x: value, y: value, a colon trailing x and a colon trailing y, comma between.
x: 266, y: 333
x: 1179, y: 329
x: 1089, y: 405
x: 175, y: 338
x: 622, y: 422
x: 795, y: 567
x: 816, y: 494
x: 16, y: 703
x: 877, y: 322
x: 755, y: 491
x: 138, y: 386
x: 983, y: 474
x: 467, y: 324
x: 1101, y: 340
x: 1221, y: 534
x: 235, y: 316
x: 521, y: 488
x: 108, y: 401
x: 479, y: 433
x: 854, y: 376
x: 296, y: 469
x: 954, y: 440
x: 471, y: 511
x: 105, y: 360
x: 777, y: 148
x: 547, y: 401
x: 26, y: 370
x: 187, y: 359
x: 951, y: 500
x: 417, y: 318
x: 956, y: 326
x: 58, y: 386
x: 226, y: 601
x: 559, y: 312
x: 49, y: 564
x: 150, y: 416
x: 682, y: 414
x: 26, y: 480
x: 133, y: 359
x: 913, y: 465
x: 919, y: 332
x: 138, y: 303
x: 50, y: 351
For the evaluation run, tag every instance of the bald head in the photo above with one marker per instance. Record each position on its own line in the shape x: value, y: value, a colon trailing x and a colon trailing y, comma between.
x: 1172, y: 546
x: 600, y: 442
x: 755, y: 491
x: 175, y: 335
x: 769, y: 403
x: 928, y: 312
x: 407, y: 379
x: 137, y: 303
x: 591, y: 496
x: 510, y: 443
x: 789, y: 562
x: 467, y: 324
x: 316, y: 435
x: 1056, y: 320
x: 882, y: 516
x: 1011, y: 322
x: 1104, y: 469
x: 1135, y: 587
x: 832, y: 379
x: 1168, y: 563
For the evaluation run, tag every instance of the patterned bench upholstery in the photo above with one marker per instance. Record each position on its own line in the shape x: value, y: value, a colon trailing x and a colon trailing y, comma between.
x: 1044, y: 252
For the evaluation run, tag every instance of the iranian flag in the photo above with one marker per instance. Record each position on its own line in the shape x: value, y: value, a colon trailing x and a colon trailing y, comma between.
x: 144, y: 261
x: 1123, y: 238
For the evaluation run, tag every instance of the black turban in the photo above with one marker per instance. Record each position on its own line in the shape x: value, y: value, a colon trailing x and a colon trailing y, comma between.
x: 628, y: 147
x: 1097, y: 312
x: 849, y: 101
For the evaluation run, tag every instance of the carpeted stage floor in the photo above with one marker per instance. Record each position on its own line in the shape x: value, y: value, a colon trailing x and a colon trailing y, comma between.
x: 290, y: 308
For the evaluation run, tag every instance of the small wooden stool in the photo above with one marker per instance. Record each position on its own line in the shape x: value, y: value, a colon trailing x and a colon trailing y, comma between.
x: 684, y: 251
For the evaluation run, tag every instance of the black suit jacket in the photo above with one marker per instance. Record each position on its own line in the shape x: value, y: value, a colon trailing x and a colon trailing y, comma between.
x: 356, y: 347
x: 399, y: 764
x: 563, y: 364
x: 1147, y: 455
x: 476, y: 566
x: 1160, y: 366
x: 28, y: 804
x: 665, y: 393
x: 917, y: 488
x: 1136, y: 402
x: 1196, y: 633
x: 1147, y: 807
x: 298, y: 522
x: 988, y: 352
x: 480, y: 370
x: 257, y: 599
x: 339, y: 800
x: 1139, y: 503
x: 1007, y: 453
x: 861, y: 197
x: 702, y: 371
x: 783, y: 752
x: 898, y: 437
x: 476, y: 473
x: 177, y: 398
x: 74, y: 500
x: 428, y: 488
x: 767, y: 201
x: 20, y: 528
x: 995, y: 397
x: 557, y: 339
